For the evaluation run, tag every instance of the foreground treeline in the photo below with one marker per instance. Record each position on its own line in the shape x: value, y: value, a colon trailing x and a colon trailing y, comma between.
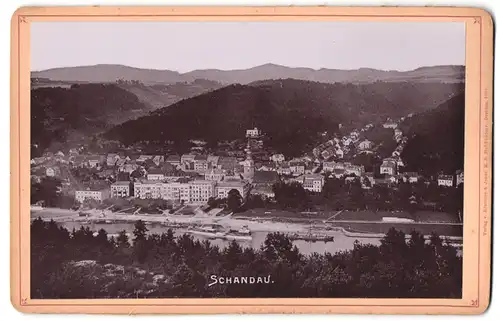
x: 82, y: 264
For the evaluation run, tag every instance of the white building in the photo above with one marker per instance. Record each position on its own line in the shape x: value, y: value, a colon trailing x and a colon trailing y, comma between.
x: 201, y: 190
x: 388, y: 166
x: 147, y: 189
x: 120, y: 189
x: 365, y: 144
x: 278, y: 158
x: 253, y: 133
x: 460, y: 177
x: 91, y: 194
x: 176, y: 191
x: 390, y: 124
x: 445, y: 180
x: 313, y: 182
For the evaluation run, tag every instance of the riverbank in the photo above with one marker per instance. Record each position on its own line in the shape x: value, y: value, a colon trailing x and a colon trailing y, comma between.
x: 351, y: 229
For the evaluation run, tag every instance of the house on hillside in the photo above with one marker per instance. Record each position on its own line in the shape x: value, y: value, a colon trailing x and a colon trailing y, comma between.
x: 389, y: 166
x: 277, y: 158
x: 253, y: 133
x: 445, y: 180
x: 52, y: 171
x: 365, y: 144
x: 390, y: 124
x: 410, y: 177
x: 460, y: 177
x: 328, y: 153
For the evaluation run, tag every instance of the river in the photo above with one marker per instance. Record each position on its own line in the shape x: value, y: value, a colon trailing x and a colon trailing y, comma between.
x: 340, y: 243
x: 260, y: 229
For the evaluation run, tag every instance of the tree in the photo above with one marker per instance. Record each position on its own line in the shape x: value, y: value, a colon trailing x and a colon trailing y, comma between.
x: 140, y: 231
x: 122, y: 240
x: 234, y: 200
x: 141, y: 246
x: 212, y: 202
x: 48, y: 191
x: 290, y: 195
x: 138, y: 173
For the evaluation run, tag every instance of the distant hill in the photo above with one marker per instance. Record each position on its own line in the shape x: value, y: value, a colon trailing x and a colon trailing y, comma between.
x: 161, y: 95
x: 152, y: 95
x: 292, y: 113
x: 436, y: 138
x: 112, y: 73
x: 59, y: 114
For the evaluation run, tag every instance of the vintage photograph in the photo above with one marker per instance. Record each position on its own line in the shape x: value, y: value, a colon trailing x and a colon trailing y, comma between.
x: 287, y: 159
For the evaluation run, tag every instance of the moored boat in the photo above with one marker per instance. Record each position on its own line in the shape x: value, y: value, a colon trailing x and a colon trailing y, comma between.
x: 210, y: 231
x: 243, y: 234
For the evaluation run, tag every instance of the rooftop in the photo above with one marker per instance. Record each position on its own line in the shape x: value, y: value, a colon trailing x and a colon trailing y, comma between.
x: 121, y: 183
x: 155, y: 171
x: 265, y: 177
x: 173, y: 158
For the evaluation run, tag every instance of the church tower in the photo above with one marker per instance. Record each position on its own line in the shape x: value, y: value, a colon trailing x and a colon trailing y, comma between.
x: 249, y: 166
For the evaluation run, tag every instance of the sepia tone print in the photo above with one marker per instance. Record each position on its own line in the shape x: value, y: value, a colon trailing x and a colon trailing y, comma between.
x: 303, y: 168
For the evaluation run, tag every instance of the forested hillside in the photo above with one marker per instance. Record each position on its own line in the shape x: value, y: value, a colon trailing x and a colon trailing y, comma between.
x: 58, y: 114
x: 436, y: 138
x: 291, y: 113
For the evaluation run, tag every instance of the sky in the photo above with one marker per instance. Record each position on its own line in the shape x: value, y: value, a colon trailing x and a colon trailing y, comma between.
x: 187, y: 46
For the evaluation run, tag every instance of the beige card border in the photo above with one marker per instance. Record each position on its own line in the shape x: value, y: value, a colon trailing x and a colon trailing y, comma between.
x: 478, y: 161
